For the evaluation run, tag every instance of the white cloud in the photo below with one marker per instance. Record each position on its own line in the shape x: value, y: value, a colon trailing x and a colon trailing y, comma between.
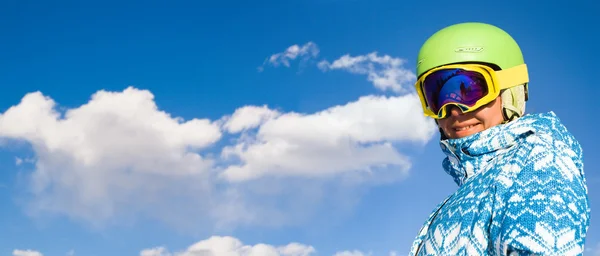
x: 115, y: 149
x: 19, y: 161
x: 119, y: 157
x: 158, y: 251
x: 305, y: 52
x: 26, y: 253
x: 351, y: 253
x: 349, y: 138
x: 593, y: 250
x: 249, y: 117
x: 385, y: 72
x: 230, y: 246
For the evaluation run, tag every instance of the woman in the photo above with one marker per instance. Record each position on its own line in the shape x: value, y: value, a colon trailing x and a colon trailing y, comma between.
x: 521, y: 183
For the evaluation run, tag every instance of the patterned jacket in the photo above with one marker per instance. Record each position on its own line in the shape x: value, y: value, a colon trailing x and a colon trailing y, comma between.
x: 521, y: 191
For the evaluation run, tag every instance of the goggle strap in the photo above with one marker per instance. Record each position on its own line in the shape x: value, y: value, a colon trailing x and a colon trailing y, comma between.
x: 513, y: 76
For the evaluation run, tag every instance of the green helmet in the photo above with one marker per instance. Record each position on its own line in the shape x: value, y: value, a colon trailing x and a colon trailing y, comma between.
x: 476, y: 42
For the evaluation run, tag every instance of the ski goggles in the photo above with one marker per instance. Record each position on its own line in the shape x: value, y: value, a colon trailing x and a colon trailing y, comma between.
x: 467, y: 86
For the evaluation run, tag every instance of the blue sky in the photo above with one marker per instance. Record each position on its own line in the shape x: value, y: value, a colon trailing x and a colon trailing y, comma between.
x: 140, y: 125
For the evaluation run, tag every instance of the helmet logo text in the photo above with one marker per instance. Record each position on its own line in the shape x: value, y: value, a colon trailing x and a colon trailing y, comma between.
x: 469, y: 49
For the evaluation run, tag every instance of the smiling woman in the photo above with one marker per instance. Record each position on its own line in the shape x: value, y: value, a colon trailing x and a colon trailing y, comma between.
x: 522, y: 188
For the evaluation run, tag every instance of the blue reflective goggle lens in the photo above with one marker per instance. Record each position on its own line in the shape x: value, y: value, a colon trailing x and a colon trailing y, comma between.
x: 454, y: 86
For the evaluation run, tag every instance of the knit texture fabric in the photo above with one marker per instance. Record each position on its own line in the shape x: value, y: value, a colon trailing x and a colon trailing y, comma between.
x: 522, y: 191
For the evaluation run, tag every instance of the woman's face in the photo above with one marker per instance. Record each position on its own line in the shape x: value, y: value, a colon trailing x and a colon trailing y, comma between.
x: 459, y: 125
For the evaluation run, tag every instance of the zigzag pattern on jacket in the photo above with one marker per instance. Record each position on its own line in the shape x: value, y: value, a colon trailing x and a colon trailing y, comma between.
x: 522, y: 191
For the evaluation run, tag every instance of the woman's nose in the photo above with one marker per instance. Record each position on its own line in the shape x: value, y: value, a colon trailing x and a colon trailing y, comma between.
x: 454, y: 110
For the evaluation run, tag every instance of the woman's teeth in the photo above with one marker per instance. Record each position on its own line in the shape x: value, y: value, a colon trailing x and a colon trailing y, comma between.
x: 464, y: 128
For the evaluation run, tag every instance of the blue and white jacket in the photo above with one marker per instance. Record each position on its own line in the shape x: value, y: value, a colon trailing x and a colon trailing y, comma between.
x: 521, y: 191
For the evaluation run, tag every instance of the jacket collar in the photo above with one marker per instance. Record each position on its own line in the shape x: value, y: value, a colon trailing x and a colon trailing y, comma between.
x: 467, y: 157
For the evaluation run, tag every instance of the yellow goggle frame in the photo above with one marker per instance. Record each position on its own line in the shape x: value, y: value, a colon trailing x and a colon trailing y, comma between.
x: 496, y: 81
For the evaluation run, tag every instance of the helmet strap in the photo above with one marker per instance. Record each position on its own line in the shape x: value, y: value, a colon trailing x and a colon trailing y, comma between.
x: 510, y: 113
